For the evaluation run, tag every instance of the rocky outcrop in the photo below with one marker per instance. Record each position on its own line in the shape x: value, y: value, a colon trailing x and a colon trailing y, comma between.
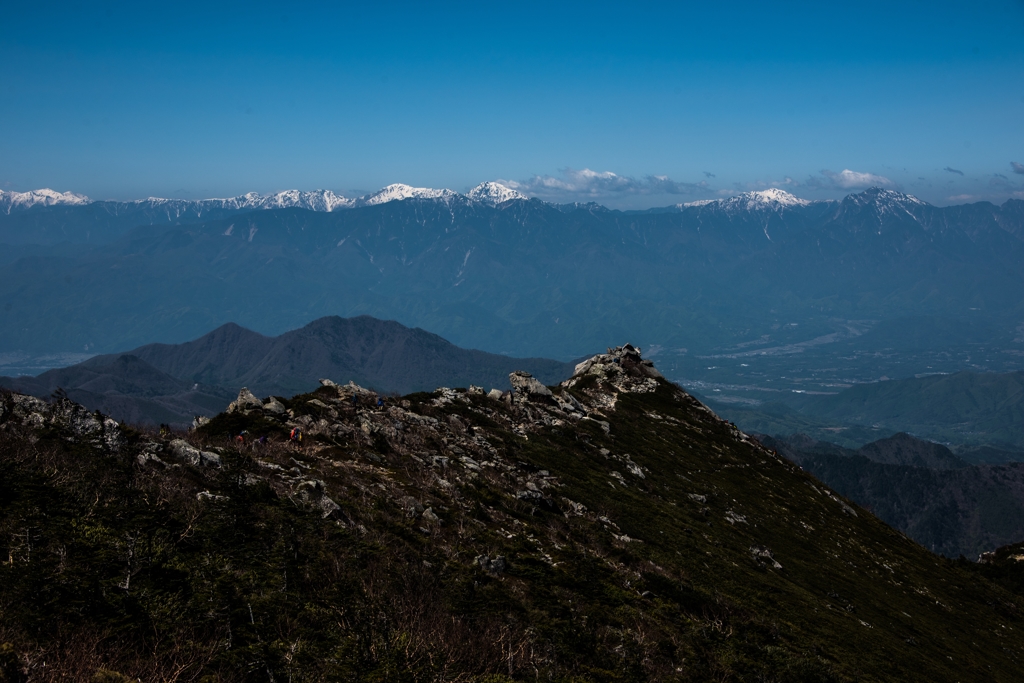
x: 245, y: 402
x: 64, y: 415
x: 620, y: 370
x: 525, y: 387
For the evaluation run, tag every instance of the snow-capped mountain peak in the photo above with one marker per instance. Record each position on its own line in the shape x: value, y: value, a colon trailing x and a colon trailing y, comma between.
x: 317, y: 200
x: 776, y: 196
x: 398, y: 192
x: 772, y: 199
x: 493, y: 193
x: 13, y: 201
x: 880, y: 196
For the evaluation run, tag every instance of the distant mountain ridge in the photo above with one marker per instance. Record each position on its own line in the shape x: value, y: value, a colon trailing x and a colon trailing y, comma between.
x: 920, y: 488
x: 490, y: 193
x: 520, y: 276
x: 974, y: 407
x: 172, y: 382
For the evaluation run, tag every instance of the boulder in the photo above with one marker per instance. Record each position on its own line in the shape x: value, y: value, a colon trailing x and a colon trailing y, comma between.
x: 192, y: 455
x: 245, y: 402
x: 525, y: 385
x: 275, y: 407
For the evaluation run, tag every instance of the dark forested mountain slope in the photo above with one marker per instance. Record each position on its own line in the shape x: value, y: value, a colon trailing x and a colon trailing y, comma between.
x: 607, y: 529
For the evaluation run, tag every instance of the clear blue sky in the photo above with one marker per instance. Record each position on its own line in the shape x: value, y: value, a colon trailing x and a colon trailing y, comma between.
x: 193, y: 100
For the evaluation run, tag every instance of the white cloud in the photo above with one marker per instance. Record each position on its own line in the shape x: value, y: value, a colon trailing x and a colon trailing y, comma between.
x: 589, y: 184
x: 847, y: 179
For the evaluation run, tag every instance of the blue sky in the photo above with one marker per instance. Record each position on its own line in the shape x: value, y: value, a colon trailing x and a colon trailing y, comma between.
x: 678, y: 101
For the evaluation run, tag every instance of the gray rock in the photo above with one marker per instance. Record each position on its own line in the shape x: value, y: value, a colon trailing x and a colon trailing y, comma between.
x: 328, y: 507
x: 245, y: 402
x: 192, y: 455
x: 526, y: 385
x: 764, y: 555
x: 430, y: 516
x: 147, y: 457
x: 492, y: 566
x: 495, y: 394
x: 274, y: 407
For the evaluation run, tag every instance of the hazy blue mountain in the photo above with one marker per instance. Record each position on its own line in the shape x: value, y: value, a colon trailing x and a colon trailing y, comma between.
x: 173, y: 382
x: 943, y: 504
x: 127, y: 388
x: 980, y: 413
x: 375, y: 353
x: 966, y: 407
x: 527, y: 277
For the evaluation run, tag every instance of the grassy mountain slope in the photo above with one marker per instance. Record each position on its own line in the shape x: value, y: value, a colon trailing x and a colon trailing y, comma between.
x: 611, y: 530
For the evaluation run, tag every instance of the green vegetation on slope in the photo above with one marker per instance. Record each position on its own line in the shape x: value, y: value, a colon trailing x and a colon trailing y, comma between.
x: 614, y: 531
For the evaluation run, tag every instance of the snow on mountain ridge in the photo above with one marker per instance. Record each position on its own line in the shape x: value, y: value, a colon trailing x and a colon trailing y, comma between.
x: 494, y: 193
x: 772, y: 198
x: 399, y: 191
x: 23, y: 200
x: 879, y: 195
x: 317, y: 200
x: 488, y: 193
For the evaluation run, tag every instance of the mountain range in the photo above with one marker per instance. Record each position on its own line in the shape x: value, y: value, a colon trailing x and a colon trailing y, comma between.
x: 171, y: 383
x: 46, y: 216
x: 521, y: 276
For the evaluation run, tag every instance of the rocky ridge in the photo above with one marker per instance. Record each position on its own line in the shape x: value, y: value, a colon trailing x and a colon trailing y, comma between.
x: 609, y: 527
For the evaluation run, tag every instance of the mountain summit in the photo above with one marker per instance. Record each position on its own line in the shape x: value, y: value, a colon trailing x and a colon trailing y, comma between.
x: 398, y: 192
x: 608, y: 528
x: 494, y: 193
x: 772, y: 199
x: 15, y: 201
